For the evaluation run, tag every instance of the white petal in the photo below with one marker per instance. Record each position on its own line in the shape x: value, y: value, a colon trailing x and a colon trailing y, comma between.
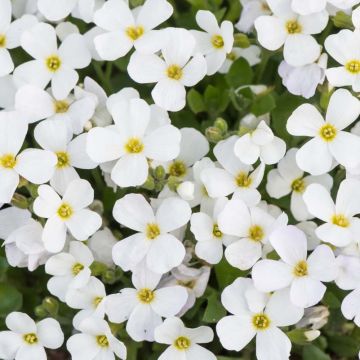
x: 306, y: 292
x: 119, y: 306
x: 290, y: 243
x: 235, y: 332
x: 218, y: 182
x: 36, y: 165
x: 321, y: 264
x: 272, y: 344
x: 6, y: 63
x: 246, y: 150
x: 82, y: 347
x: 165, y: 253
x: 52, y: 135
x: 280, y: 275
x: 153, y: 13
x: 273, y: 152
x: 146, y: 68
x: 169, y: 94
x: 57, y: 11
x: 169, y: 300
x: 9, y: 344
x: 54, y: 235
x: 20, y: 323
x: 243, y: 254
x: 63, y: 81
x: 9, y: 183
x: 84, y: 223
x: 271, y: 32
x: 348, y: 198
x: 172, y: 214
x: 113, y: 45
x: 79, y: 194
x: 74, y: 53
x: 194, y: 70
x: 319, y: 202
x: 50, y: 333
x: 314, y: 157
x: 346, y: 158
x: 130, y: 170
x: 134, y: 212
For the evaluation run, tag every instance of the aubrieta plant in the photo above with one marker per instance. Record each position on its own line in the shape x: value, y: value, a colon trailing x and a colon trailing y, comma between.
x: 179, y: 179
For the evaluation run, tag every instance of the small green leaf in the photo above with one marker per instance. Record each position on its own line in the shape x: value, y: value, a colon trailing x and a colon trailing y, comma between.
x: 312, y: 352
x: 11, y: 299
x: 263, y: 104
x: 226, y: 274
x: 344, y: 346
x: 195, y: 101
x: 214, y: 310
x: 239, y: 74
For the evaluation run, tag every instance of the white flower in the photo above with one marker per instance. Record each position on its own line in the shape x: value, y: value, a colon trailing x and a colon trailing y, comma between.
x: 253, y: 231
x: 289, y: 178
x: 38, y: 104
x: 144, y: 306
x: 35, y: 165
x: 54, y: 136
x: 306, y: 7
x: 341, y: 227
x: 303, y: 80
x: 95, y: 342
x: 257, y: 314
x: 329, y: 141
x: 235, y: 177
x: 260, y: 143
x: 55, y: 11
x: 344, y: 48
x: 101, y: 244
x: 294, y: 31
x: 22, y: 235
x: 69, y: 269
x: 183, y: 341
x: 133, y: 142
x: 27, y: 339
x: 215, y: 41
x: 153, y: 242
x: 67, y: 213
x: 176, y: 68
x: 52, y: 63
x: 10, y: 33
x: 126, y: 28
x: 194, y: 280
x: 251, y: 10
x: 90, y: 299
x: 210, y: 238
x: 251, y: 54
x: 303, y: 274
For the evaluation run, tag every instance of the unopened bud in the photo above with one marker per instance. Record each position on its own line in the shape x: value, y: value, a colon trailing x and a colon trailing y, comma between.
x: 221, y: 124
x: 159, y: 173
x: 213, y: 134
x: 241, y: 40
x: 51, y: 305
x: 186, y: 190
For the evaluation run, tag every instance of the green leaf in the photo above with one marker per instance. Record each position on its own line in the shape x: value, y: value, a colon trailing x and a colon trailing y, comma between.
x: 344, y: 345
x: 239, y: 74
x: 195, y: 101
x: 214, y: 310
x: 331, y: 300
x: 226, y: 274
x: 285, y: 105
x: 312, y: 352
x: 263, y: 104
x: 11, y: 299
x: 216, y: 100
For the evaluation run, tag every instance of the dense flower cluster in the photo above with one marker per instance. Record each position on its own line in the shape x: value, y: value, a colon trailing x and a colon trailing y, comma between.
x: 172, y: 188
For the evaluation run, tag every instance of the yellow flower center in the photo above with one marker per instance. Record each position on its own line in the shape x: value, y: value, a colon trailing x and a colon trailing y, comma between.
x: 2, y: 40
x: 261, y: 321
x: 182, y: 343
x: 174, y: 72
x: 293, y: 27
x: 298, y: 185
x: 134, y: 146
x: 217, y: 41
x: 134, y: 32
x: 77, y: 268
x: 61, y: 106
x: 353, y: 66
x: 146, y: 296
x: 177, y: 168
x: 152, y: 231
x: 340, y: 220
x: 97, y: 300
x: 63, y: 159
x: 256, y: 233
x: 328, y: 132
x: 301, y: 268
x: 102, y: 341
x: 53, y: 63
x: 30, y: 338
x: 65, y: 211
x: 216, y: 231
x: 8, y: 161
x: 243, y: 180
